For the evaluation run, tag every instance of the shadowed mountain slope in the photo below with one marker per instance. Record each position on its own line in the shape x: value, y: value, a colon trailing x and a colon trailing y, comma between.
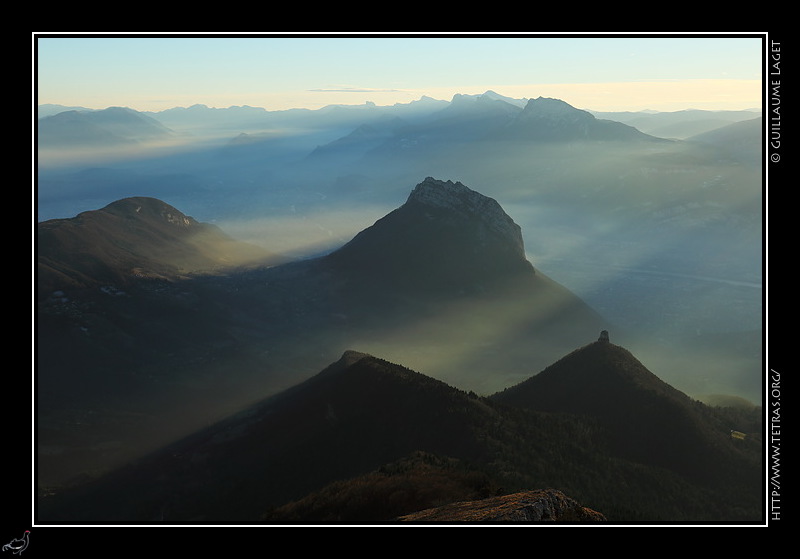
x: 357, y: 414
x: 650, y: 421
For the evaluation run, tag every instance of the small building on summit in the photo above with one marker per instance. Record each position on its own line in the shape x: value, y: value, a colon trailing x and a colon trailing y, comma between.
x: 603, y: 336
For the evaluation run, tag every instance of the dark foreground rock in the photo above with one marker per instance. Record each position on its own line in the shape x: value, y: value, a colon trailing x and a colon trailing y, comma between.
x: 546, y: 505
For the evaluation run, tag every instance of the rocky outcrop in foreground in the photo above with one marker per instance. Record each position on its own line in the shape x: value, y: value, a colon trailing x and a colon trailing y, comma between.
x: 544, y: 505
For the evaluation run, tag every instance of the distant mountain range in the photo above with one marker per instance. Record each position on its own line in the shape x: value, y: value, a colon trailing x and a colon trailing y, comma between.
x: 99, y: 129
x: 414, y: 125
x: 678, y: 124
x: 306, y: 161
x: 472, y: 125
x: 671, y: 124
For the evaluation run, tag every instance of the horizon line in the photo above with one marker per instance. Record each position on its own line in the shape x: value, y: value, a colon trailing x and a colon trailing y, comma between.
x: 619, y: 107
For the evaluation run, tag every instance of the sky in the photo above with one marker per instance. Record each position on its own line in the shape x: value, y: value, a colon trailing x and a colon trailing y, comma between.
x: 604, y: 73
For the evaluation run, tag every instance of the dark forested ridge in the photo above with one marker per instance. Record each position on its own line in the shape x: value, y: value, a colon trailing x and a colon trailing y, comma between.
x: 648, y: 421
x: 367, y: 441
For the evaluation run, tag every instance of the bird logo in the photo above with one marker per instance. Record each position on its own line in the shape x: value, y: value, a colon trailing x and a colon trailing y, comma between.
x: 17, y: 546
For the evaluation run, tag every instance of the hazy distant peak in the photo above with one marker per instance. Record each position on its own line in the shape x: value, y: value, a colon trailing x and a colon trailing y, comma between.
x: 118, y: 109
x: 483, y: 98
x: 464, y: 98
x: 510, y: 100
x: 549, y: 119
x: 554, y: 107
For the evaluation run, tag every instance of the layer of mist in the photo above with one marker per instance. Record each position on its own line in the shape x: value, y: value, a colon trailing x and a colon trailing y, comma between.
x: 663, y: 238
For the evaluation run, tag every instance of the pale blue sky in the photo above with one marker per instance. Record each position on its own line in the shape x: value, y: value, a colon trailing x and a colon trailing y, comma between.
x: 605, y: 73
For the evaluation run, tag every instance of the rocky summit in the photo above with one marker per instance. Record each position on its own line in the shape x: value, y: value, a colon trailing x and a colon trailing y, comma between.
x: 467, y: 203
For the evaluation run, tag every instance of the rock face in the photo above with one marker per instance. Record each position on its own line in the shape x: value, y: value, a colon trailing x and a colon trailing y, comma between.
x: 467, y: 204
x: 545, y: 505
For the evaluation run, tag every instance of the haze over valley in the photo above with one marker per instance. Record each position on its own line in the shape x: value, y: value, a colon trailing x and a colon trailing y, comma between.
x: 660, y: 235
x: 198, y: 265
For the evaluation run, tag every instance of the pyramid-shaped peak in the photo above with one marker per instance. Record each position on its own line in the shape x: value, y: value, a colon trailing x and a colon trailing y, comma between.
x: 445, y: 235
x: 599, y: 375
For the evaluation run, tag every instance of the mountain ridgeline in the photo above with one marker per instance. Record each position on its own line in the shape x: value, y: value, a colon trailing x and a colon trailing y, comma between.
x: 177, y: 385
